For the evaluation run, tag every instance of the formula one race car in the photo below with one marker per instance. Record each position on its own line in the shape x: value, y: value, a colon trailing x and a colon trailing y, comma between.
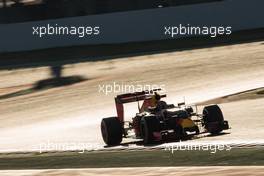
x: 158, y: 121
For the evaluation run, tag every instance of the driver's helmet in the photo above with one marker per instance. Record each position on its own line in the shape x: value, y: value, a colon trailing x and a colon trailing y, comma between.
x: 155, y: 99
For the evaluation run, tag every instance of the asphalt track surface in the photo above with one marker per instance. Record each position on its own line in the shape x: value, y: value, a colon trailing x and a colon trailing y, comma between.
x: 71, y: 114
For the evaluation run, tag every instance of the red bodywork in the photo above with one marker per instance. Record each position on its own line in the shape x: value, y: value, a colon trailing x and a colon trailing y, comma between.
x: 134, y: 97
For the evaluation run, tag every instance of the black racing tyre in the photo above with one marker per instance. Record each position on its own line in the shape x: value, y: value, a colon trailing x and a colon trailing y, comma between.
x: 213, y: 119
x: 149, y: 124
x: 112, y: 131
x: 213, y: 114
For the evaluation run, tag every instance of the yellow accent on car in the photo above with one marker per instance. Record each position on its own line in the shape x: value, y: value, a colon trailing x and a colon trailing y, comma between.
x: 187, y: 123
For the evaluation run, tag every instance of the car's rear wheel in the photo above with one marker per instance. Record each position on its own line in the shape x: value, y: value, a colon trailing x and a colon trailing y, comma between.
x: 112, y: 131
x: 149, y: 125
x: 213, y: 119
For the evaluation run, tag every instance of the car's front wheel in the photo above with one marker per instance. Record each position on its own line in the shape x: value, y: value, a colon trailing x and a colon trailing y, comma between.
x: 149, y: 125
x: 213, y: 119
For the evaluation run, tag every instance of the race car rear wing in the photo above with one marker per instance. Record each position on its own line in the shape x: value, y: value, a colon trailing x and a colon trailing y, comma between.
x: 136, y: 96
x: 133, y: 97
